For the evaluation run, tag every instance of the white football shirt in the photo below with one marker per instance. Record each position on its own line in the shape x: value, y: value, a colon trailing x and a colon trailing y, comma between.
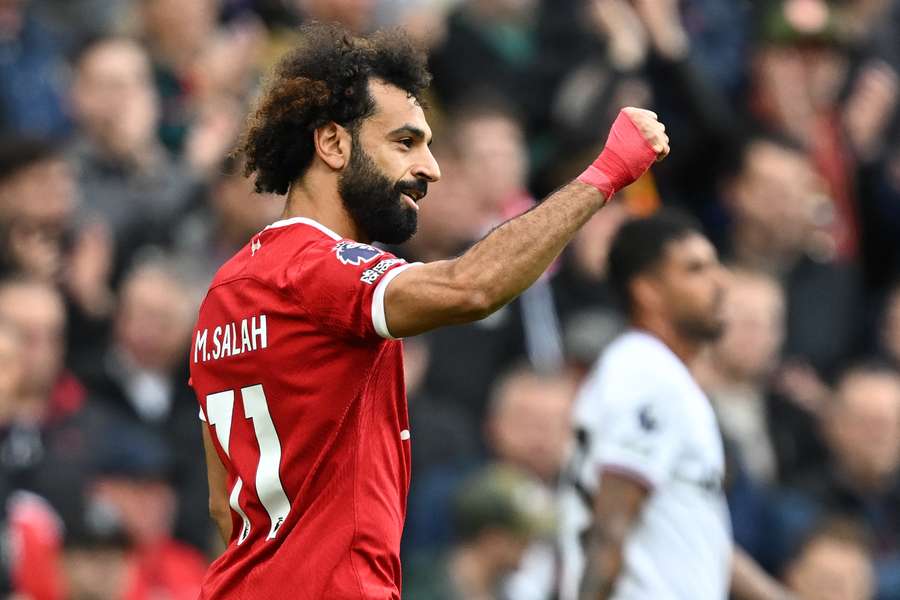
x: 641, y: 413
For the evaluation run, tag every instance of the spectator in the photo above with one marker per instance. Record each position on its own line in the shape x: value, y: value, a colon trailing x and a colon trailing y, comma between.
x: 46, y: 437
x: 125, y: 176
x: 833, y: 563
x: 202, y: 73
x: 130, y: 485
x: 862, y: 429
x: 488, y: 138
x: 43, y: 239
x: 29, y: 524
x: 774, y: 438
x: 735, y: 372
x: 95, y: 560
x: 528, y: 422
x: 16, y: 465
x: 142, y: 376
x: 177, y: 34
x: 528, y: 427
x: 48, y: 390
x: 38, y: 197
x: 499, y: 512
x: 784, y: 238
x: 799, y: 73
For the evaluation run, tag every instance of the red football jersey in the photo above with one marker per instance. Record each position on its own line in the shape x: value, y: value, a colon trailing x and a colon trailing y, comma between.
x: 302, y: 388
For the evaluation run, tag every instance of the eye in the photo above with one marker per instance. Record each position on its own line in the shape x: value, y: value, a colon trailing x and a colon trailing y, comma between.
x: 408, y: 142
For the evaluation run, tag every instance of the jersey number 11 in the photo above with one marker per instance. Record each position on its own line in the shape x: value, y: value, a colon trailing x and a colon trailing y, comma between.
x: 219, y: 410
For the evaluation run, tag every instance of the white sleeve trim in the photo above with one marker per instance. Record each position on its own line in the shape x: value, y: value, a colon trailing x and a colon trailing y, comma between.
x: 378, y: 317
x: 202, y: 416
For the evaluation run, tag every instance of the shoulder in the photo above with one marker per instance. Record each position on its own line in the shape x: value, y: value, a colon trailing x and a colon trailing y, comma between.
x: 277, y: 251
x: 642, y: 358
x: 340, y: 263
x: 635, y: 367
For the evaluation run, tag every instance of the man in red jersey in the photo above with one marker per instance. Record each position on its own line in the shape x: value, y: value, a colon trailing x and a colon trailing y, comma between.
x: 294, y: 358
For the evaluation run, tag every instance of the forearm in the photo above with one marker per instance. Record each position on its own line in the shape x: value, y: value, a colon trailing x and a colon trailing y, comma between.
x: 602, y: 568
x: 509, y: 259
x: 217, y: 479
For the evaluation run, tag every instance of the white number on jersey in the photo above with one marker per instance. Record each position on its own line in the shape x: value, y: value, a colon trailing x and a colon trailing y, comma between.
x: 219, y: 410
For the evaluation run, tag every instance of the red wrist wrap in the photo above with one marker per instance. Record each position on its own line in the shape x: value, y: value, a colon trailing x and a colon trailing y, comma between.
x: 626, y: 156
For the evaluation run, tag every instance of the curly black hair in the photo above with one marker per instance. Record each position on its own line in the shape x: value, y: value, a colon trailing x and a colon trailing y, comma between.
x: 324, y: 79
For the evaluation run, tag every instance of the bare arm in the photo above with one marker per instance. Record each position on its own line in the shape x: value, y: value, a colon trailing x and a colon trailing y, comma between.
x: 217, y: 477
x: 494, y: 271
x: 750, y: 582
x: 616, y: 508
x: 503, y: 264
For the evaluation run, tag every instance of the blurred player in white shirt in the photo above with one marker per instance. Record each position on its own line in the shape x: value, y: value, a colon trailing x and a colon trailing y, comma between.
x: 643, y: 509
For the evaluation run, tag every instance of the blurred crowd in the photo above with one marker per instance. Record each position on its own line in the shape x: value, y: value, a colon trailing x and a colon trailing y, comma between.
x: 119, y: 199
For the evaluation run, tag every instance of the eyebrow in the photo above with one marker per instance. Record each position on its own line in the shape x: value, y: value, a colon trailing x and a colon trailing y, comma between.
x: 412, y: 131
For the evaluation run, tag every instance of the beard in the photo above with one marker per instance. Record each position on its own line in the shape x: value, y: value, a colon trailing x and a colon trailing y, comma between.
x: 375, y: 203
x: 703, y: 329
x: 707, y: 326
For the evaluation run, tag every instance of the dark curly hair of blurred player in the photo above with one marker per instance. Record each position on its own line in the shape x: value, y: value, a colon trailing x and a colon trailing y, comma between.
x: 324, y: 79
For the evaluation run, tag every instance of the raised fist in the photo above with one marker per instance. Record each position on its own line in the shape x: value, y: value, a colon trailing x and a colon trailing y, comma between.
x: 653, y: 132
x: 637, y: 140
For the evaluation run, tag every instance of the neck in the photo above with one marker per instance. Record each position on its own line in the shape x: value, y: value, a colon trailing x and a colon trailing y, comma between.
x: 316, y: 197
x: 684, y: 348
x: 471, y: 574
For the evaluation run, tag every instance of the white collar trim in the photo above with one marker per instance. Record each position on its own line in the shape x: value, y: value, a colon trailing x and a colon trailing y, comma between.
x: 305, y: 221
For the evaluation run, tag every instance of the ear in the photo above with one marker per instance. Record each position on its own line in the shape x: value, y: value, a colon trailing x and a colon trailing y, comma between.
x: 333, y: 145
x: 644, y: 294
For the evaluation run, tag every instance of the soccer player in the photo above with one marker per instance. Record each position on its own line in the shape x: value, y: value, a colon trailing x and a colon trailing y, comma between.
x: 643, y: 513
x: 294, y: 357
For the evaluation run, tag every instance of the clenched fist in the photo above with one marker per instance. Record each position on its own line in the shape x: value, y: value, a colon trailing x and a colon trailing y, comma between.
x: 637, y: 140
x: 648, y: 125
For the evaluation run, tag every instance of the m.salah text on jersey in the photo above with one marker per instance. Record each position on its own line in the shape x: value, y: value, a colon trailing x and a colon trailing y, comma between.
x: 231, y: 339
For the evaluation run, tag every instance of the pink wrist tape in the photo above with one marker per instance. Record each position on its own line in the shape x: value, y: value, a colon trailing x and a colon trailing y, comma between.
x: 626, y: 156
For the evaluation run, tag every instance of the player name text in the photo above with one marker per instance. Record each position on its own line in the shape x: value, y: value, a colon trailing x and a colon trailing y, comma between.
x: 231, y: 339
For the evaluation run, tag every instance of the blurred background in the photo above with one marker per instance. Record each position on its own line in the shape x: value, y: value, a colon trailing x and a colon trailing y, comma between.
x: 118, y: 202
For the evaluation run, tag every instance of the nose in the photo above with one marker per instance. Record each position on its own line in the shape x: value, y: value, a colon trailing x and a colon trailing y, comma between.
x: 428, y: 169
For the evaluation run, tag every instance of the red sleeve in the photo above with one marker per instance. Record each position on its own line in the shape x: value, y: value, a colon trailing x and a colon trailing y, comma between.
x: 342, y: 285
